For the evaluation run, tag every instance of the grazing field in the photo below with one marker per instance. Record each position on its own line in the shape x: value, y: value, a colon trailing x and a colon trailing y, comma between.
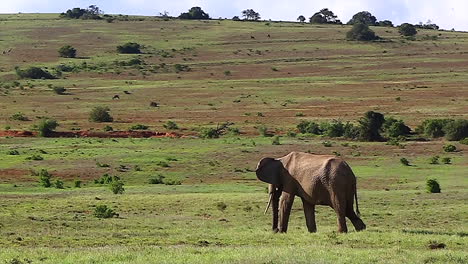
x: 210, y: 209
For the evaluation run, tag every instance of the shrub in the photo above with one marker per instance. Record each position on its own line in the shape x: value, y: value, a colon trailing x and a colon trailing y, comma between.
x: 67, y: 52
x: 370, y: 126
x: 432, y: 186
x: 106, y: 179
x: 434, y: 160
x: 102, y: 211
x: 117, y: 187
x: 395, y: 128
x: 19, y: 117
x: 450, y: 148
x: 276, y: 140
x: 215, y: 132
x: 33, y: 73
x: 129, y: 48
x: 350, y: 131
x: 456, y: 129
x: 100, y: 114
x: 407, y: 30
x: 108, y: 128
x: 44, y: 178
x: 172, y: 182
x: 404, y: 161
x: 46, y: 127
x: 139, y: 127
x: 77, y: 183
x: 159, y: 179
x: 35, y: 157
x: 13, y: 152
x: 171, y: 125
x: 221, y: 206
x: 59, y: 90
x: 361, y: 32
x: 263, y: 130
x: 333, y: 129
x: 227, y: 73
x: 162, y: 164
x: 233, y: 131
x: 291, y: 133
x: 58, y: 184
x: 446, y: 160
x: 433, y: 127
x: 464, y: 141
x: 309, y: 127
x: 181, y: 68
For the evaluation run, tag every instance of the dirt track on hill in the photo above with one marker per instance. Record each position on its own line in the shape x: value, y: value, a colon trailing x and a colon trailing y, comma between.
x: 80, y: 134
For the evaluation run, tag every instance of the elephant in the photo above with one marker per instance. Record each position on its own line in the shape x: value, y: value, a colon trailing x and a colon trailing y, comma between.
x: 318, y: 180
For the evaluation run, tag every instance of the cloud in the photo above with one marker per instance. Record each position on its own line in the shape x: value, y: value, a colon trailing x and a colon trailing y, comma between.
x: 447, y: 14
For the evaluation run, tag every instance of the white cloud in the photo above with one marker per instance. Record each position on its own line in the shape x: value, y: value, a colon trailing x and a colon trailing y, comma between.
x: 447, y: 14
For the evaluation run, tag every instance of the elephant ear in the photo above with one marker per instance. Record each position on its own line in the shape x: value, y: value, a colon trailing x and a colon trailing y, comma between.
x: 269, y: 170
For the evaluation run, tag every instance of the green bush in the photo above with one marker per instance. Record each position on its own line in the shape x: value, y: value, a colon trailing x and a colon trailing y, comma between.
x: 139, y: 127
x: 106, y: 179
x: 67, y: 51
x: 77, y: 183
x: 464, y: 141
x: 181, y: 68
x: 102, y: 211
x: 351, y: 131
x: 432, y: 186
x: 407, y: 30
x: 159, y: 179
x: 404, y: 161
x: 395, y: 128
x: 434, y: 160
x: 100, y: 114
x: 108, y: 128
x: 13, y: 152
x: 171, y: 125
x: 361, y: 32
x: 172, y: 182
x: 46, y: 127
x: 19, y: 117
x: 370, y: 126
x: 447, y: 160
x: 58, y: 184
x: 59, y: 90
x: 309, y: 127
x: 129, y: 48
x: 456, y: 129
x: 44, y: 178
x: 221, y: 206
x: 276, y: 140
x: 35, y: 157
x: 162, y: 164
x: 117, y: 187
x: 33, y: 73
x: 333, y: 129
x: 450, y: 148
x: 433, y: 127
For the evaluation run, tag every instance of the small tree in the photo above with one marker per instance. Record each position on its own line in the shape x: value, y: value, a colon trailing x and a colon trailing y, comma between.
x: 195, y: 13
x: 117, y: 187
x: 301, y: 19
x: 129, y: 48
x: 44, y: 178
x: 46, y: 127
x: 432, y: 186
x: 100, y: 114
x: 250, y: 14
x: 235, y: 18
x: 407, y: 30
x: 385, y: 23
x: 324, y: 16
x: 363, y: 17
x: 370, y: 126
x: 33, y: 73
x: 102, y: 211
x: 59, y: 90
x: 67, y: 52
x: 456, y: 129
x: 361, y: 32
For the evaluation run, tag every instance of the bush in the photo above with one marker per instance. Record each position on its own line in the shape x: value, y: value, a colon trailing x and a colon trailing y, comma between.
x: 450, y: 148
x: 333, y: 129
x: 361, y: 32
x: 195, y: 13
x: 464, y: 141
x: 171, y: 125
x: 221, y: 206
x: 309, y: 127
x: 33, y: 73
x: 102, y: 211
x: 172, y: 182
x: 350, y: 131
x: 67, y: 52
x: 181, y: 68
x: 395, y: 128
x: 434, y: 160
x: 77, y: 183
x: 407, y: 30
x: 46, y: 127
x: 139, y: 127
x: 433, y: 127
x: 44, y: 178
x: 108, y: 128
x: 456, y: 129
x: 19, y: 117
x: 446, y: 160
x: 263, y: 131
x: 59, y: 90
x: 129, y: 48
x: 404, y: 161
x: 100, y: 114
x: 432, y: 186
x: 159, y: 179
x: 106, y: 179
x: 276, y: 140
x: 370, y: 126
x: 58, y: 184
x: 13, y: 152
x: 35, y: 157
x: 117, y: 187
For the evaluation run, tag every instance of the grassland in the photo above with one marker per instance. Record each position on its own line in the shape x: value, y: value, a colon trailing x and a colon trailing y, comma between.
x: 304, y: 69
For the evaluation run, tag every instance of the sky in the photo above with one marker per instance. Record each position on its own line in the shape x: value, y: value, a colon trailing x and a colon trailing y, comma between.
x: 447, y: 14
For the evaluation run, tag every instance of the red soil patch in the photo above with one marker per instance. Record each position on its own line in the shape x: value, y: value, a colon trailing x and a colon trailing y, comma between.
x: 113, y: 134
x: 15, y: 175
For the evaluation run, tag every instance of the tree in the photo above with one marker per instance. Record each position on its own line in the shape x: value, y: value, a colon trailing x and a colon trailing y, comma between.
x: 370, y: 125
x: 129, y: 48
x: 301, y: 19
x: 100, y: 114
x: 361, y: 32
x: 34, y: 73
x: 235, y: 18
x: 67, y: 52
x: 92, y: 12
x: 324, y: 16
x: 407, y: 30
x: 46, y: 127
x: 363, y: 17
x: 385, y: 23
x: 250, y: 14
x: 427, y: 25
x: 195, y: 13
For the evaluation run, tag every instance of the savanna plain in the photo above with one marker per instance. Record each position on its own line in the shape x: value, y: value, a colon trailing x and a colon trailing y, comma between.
x: 190, y: 198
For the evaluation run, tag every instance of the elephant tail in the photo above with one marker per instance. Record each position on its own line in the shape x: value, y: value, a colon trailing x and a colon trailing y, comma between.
x: 357, y: 205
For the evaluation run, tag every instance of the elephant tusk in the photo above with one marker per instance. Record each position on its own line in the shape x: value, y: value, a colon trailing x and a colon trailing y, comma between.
x: 269, y: 203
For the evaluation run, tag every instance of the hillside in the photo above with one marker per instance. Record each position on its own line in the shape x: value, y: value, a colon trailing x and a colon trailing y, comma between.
x: 230, y: 72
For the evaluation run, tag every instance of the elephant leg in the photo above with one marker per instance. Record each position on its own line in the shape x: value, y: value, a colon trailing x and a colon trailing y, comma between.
x: 275, y: 206
x: 309, y: 211
x: 339, y: 205
x: 357, y: 222
x: 285, y: 206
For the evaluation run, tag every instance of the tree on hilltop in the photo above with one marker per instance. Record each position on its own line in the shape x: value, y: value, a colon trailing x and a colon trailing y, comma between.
x: 301, y: 19
x: 324, y: 16
x: 195, y: 12
x: 363, y: 17
x: 250, y: 14
x: 361, y: 32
